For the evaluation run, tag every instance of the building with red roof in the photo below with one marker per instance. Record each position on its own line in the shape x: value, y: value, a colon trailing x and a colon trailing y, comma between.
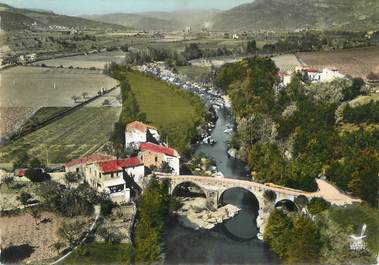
x: 106, y: 174
x: 137, y: 132
x: 154, y: 155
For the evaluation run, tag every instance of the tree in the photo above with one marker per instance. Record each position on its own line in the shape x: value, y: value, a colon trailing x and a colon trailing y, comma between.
x: 251, y: 46
x: 8, y: 180
x: 84, y: 95
x: 106, y: 207
x: 317, y: 205
x: 24, y: 197
x: 354, y: 90
x: 165, y: 167
x: 35, y: 163
x: 35, y: 213
x: 304, y: 244
x: 71, y: 231
x: 72, y: 177
x: 21, y: 160
x: 75, y: 98
x: 57, y: 246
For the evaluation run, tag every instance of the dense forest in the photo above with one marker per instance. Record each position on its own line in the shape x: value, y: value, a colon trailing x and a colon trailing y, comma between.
x: 292, y: 135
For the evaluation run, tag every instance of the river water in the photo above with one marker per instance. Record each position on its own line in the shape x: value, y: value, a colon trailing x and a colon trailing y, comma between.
x: 233, y: 242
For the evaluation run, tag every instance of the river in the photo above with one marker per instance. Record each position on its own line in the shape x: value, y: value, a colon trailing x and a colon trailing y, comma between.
x: 233, y: 242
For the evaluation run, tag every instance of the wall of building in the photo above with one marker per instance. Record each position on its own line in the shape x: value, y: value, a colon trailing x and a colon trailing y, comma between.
x: 134, y: 136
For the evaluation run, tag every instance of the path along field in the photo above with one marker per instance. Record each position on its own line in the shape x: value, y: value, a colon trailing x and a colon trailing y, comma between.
x: 82, y: 131
x: 172, y: 110
x: 25, y: 89
x: 354, y: 62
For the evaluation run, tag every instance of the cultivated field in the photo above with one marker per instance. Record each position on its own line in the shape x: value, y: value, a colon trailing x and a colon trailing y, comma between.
x: 78, y: 133
x: 97, y: 60
x: 286, y: 62
x: 353, y: 62
x: 23, y: 90
x: 34, y: 86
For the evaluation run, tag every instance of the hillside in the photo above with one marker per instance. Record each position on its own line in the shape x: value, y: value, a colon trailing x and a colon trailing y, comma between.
x: 280, y: 15
x: 177, y: 20
x: 19, y: 19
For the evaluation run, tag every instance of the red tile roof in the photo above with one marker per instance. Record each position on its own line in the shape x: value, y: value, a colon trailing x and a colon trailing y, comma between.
x: 20, y: 172
x: 158, y: 149
x: 88, y: 159
x: 142, y: 127
x: 117, y: 165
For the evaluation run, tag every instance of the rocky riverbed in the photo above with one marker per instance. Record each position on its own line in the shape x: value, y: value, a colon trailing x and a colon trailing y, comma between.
x: 194, y: 213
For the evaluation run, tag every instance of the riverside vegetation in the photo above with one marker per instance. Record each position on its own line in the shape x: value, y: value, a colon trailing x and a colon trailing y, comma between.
x: 292, y: 135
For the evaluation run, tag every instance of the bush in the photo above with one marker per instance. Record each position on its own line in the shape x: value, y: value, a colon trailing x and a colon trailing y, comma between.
x: 24, y: 197
x: 106, y: 207
x: 317, y: 205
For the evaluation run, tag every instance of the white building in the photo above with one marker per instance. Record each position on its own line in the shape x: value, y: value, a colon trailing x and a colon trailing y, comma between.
x: 137, y: 132
x: 108, y: 175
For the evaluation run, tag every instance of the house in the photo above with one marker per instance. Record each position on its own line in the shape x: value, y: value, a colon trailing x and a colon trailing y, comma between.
x: 137, y: 132
x: 77, y: 165
x: 108, y: 176
x: 154, y: 155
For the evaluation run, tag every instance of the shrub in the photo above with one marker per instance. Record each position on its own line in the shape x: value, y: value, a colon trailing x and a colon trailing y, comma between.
x: 106, y: 207
x: 24, y: 197
x: 317, y: 205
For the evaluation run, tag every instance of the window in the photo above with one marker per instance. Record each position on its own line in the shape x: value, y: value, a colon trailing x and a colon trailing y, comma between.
x: 112, y: 175
x: 99, y: 175
x: 156, y: 159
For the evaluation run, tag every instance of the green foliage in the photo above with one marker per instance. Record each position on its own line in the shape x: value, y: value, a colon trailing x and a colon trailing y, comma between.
x: 106, y: 207
x: 36, y: 175
x: 289, y: 136
x: 24, y: 197
x: 354, y: 90
x: 337, y: 224
x: 71, y: 231
x: 317, y: 205
x: 294, y: 238
x: 101, y: 253
x: 70, y: 202
x: 357, y: 172
x: 21, y: 160
x: 152, y: 213
x: 192, y: 51
x: 72, y: 177
x: 367, y: 113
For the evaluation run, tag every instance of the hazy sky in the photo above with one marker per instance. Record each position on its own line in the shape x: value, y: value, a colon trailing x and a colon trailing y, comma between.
x: 77, y: 7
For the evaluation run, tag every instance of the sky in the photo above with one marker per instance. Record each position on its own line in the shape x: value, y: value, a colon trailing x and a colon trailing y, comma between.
x: 81, y: 7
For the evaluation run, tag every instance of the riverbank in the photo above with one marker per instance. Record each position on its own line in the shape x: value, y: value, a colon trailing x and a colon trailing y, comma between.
x: 194, y: 213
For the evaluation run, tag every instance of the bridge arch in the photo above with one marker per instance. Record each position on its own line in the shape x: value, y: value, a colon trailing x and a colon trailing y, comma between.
x: 187, y: 184
x: 287, y: 204
x: 253, y: 195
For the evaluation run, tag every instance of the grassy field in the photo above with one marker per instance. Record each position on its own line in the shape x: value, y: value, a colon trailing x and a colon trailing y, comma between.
x: 80, y: 132
x: 353, y: 62
x: 194, y: 72
x: 175, y: 112
x: 101, y: 253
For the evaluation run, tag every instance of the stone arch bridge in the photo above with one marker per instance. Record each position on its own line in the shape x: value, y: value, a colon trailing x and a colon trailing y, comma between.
x: 214, y: 187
